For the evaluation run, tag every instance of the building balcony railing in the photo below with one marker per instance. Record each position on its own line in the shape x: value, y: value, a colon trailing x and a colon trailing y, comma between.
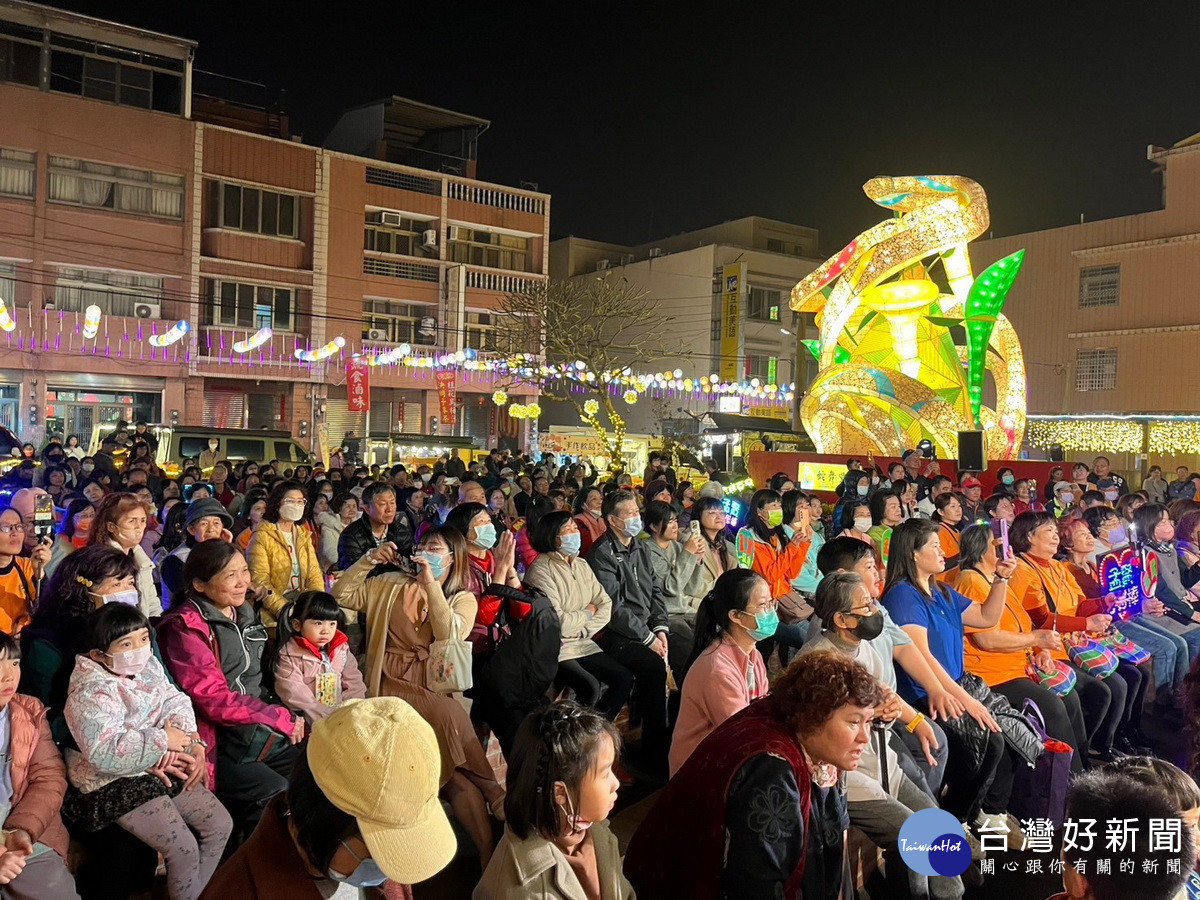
x: 488, y: 196
x: 485, y: 280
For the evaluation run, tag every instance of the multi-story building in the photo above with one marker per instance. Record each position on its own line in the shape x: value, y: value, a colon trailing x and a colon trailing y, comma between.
x: 1108, y: 319
x: 739, y: 330
x: 125, y: 188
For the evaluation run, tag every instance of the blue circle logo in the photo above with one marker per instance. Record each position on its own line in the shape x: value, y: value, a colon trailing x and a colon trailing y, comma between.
x: 933, y: 842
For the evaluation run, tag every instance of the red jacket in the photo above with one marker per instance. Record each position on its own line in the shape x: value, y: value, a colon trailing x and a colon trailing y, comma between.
x: 190, y: 652
x: 39, y: 776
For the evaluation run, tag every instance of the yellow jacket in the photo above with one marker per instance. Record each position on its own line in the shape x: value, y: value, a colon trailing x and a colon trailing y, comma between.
x: 270, y: 559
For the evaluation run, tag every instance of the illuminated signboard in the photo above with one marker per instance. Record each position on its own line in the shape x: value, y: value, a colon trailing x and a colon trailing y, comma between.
x: 1124, y: 576
x: 814, y: 476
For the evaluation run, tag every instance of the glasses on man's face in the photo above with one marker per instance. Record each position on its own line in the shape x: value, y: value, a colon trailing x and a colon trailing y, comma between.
x: 14, y: 527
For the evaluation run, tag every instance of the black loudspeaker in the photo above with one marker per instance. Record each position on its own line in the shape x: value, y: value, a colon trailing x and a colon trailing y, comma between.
x: 971, y: 454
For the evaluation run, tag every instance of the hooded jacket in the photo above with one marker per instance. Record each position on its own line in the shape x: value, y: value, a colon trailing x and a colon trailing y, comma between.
x: 217, y: 663
x: 298, y: 667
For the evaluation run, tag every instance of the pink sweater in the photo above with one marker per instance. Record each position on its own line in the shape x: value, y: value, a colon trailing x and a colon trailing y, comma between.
x: 716, y: 687
x: 296, y: 676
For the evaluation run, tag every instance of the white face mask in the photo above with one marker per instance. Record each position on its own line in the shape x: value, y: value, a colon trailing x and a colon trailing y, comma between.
x: 291, y: 512
x: 862, y: 524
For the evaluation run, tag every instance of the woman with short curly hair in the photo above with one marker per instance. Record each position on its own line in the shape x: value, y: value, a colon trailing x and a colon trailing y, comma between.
x: 761, y: 803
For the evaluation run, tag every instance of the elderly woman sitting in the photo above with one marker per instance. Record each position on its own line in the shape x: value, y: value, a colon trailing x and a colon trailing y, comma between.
x: 786, y: 753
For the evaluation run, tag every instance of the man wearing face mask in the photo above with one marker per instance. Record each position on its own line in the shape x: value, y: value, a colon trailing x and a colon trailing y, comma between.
x: 1107, y: 481
x: 638, y: 629
x: 881, y: 796
x: 343, y: 830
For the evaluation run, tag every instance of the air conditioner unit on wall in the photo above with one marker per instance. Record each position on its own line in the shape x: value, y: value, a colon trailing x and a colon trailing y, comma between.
x: 146, y: 310
x: 602, y: 264
x: 656, y: 252
x: 389, y: 218
x: 429, y: 237
x: 377, y: 334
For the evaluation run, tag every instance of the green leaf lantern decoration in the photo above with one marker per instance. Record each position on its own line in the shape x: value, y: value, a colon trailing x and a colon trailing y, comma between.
x: 840, y: 354
x: 984, y: 302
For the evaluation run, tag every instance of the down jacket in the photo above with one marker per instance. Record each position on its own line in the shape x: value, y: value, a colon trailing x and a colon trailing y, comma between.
x: 39, y: 776
x: 202, y: 662
x: 270, y: 558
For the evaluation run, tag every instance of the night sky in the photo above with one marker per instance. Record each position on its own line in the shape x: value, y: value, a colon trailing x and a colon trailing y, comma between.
x: 647, y: 120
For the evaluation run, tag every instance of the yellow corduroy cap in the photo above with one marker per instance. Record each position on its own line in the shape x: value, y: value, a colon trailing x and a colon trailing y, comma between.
x: 378, y: 761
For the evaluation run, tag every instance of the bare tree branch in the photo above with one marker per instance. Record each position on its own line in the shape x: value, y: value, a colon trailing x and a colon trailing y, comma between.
x: 606, y: 323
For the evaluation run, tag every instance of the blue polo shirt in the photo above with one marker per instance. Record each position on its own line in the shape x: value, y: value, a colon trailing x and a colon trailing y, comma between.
x: 941, y: 617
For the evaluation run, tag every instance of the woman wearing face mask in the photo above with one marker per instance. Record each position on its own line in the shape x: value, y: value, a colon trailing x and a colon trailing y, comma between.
x: 557, y: 845
x: 588, y: 503
x: 343, y: 831
x: 121, y: 523
x: 880, y: 796
x: 72, y: 533
x: 764, y: 546
x: 343, y: 510
x: 1006, y: 481
x: 855, y: 489
x: 583, y: 608
x: 856, y: 521
x: 410, y: 613
x: 281, y: 552
x: 492, y: 555
x: 209, y: 456
x: 761, y: 805
x: 140, y: 760
x: 1107, y: 528
x: 726, y: 670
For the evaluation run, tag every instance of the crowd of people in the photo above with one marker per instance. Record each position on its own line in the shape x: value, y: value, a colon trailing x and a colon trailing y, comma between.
x: 255, y: 675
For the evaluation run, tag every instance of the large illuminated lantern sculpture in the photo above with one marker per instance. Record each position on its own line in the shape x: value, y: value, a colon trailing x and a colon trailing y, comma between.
x: 889, y: 307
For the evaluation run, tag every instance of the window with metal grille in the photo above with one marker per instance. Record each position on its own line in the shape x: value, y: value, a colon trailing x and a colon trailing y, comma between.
x: 249, y: 306
x: 1100, y: 286
x: 102, y: 186
x: 116, y: 293
x: 1096, y: 369
x: 392, y: 321
x: 397, y: 269
x: 763, y: 305
x: 253, y: 209
x: 404, y: 181
x: 18, y: 172
x: 493, y: 249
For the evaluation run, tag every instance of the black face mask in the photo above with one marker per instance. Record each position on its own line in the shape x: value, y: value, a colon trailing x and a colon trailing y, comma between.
x: 868, y: 627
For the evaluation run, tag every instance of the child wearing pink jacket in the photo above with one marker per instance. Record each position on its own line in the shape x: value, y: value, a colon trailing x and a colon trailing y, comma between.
x: 314, y: 668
